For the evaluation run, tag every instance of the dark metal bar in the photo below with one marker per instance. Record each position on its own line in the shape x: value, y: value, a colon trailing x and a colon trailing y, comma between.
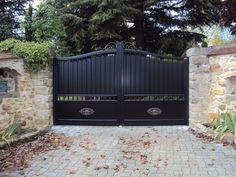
x: 84, y: 56
x: 141, y: 52
x: 186, y: 90
x: 120, y: 58
x: 54, y: 87
x: 86, y: 95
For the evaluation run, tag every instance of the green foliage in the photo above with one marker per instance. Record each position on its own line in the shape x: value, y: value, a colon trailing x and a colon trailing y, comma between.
x: 46, y: 24
x: 36, y: 55
x: 228, y: 14
x: 157, y: 26
x: 28, y: 23
x: 8, y: 45
x: 12, y: 130
x: 225, y: 122
x: 10, y: 11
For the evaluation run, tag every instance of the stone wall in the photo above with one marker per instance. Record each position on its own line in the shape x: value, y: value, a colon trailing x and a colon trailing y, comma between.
x: 28, y: 97
x: 212, y: 81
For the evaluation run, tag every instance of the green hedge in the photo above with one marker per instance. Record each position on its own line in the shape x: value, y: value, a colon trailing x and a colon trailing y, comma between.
x: 36, y: 55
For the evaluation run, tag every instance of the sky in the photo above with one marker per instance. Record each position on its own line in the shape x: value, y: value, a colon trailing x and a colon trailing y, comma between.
x: 36, y: 2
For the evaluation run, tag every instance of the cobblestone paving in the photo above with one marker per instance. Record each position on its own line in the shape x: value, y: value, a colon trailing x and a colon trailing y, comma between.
x: 134, y: 152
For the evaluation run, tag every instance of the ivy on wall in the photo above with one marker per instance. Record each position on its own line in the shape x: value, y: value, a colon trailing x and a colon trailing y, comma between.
x: 36, y: 55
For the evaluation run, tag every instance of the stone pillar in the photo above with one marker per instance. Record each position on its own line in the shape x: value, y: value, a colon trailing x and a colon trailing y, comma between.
x: 212, y: 82
x: 199, y: 84
x: 28, y: 97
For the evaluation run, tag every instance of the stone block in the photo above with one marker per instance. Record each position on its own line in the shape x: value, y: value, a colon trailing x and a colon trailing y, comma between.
x: 197, y: 60
x: 42, y: 90
x: 218, y: 91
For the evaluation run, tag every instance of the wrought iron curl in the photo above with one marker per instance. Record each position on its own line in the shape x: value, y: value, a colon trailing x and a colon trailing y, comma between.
x: 129, y: 45
x: 110, y: 45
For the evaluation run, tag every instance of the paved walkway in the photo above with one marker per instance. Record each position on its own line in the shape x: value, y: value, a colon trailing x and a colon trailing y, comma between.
x: 134, y: 152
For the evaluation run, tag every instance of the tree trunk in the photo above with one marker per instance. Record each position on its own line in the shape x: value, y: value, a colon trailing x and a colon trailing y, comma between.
x: 139, y: 27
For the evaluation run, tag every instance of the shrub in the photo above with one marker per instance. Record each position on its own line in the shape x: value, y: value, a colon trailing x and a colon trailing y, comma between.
x: 35, y: 55
x: 12, y: 130
x: 8, y: 45
x: 225, y: 122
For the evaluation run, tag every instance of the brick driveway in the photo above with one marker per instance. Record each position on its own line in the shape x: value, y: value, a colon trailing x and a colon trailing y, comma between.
x: 134, y: 152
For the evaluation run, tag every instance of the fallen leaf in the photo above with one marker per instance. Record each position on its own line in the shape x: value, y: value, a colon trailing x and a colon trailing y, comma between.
x: 102, y: 156
x: 212, y: 158
x: 106, y: 167
x: 127, y: 156
x: 146, y: 144
x: 143, y: 159
x: 71, y: 172
x: 97, y: 168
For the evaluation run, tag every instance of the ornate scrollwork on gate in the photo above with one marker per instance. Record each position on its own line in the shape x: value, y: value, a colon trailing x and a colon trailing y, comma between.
x: 154, y: 111
x: 86, y: 111
x: 110, y: 45
x: 129, y: 45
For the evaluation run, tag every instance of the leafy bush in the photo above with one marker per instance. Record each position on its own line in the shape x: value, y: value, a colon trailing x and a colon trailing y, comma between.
x: 8, y: 45
x: 35, y: 55
x: 225, y: 122
x: 13, y: 129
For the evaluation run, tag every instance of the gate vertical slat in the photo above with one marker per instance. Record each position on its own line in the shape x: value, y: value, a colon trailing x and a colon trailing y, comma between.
x: 120, y: 75
x: 158, y: 82
x: 92, y: 75
x: 107, y: 75
x: 186, y: 90
x: 88, y: 73
x: 74, y: 76
x: 55, y: 87
x: 149, y: 75
x: 96, y: 74
x: 112, y: 69
x: 130, y: 71
x: 103, y: 63
x: 68, y: 76
x: 99, y: 74
x: 168, y: 78
x: 136, y: 76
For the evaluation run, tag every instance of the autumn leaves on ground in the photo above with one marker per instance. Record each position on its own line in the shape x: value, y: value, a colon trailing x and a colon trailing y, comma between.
x: 112, y: 151
x: 18, y: 156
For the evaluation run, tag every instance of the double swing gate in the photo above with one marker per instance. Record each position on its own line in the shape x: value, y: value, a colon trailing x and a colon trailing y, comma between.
x: 120, y: 85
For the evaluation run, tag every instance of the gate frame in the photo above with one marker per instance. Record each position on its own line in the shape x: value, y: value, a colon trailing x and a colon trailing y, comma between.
x: 120, y: 47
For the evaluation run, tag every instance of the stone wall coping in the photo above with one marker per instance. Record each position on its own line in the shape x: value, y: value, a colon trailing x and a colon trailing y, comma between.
x: 230, y: 47
x: 222, y: 51
x: 7, y: 55
x: 198, y: 51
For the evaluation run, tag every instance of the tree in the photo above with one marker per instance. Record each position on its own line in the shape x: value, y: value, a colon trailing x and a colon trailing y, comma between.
x: 154, y: 25
x: 28, y: 23
x: 46, y: 24
x: 10, y: 11
x: 217, y: 35
x: 228, y: 14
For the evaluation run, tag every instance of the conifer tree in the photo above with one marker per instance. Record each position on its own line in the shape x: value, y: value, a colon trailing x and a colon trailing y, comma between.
x: 228, y: 14
x: 154, y: 25
x: 10, y: 12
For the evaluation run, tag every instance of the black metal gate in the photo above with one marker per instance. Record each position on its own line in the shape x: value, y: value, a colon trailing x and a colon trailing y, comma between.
x: 120, y: 86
